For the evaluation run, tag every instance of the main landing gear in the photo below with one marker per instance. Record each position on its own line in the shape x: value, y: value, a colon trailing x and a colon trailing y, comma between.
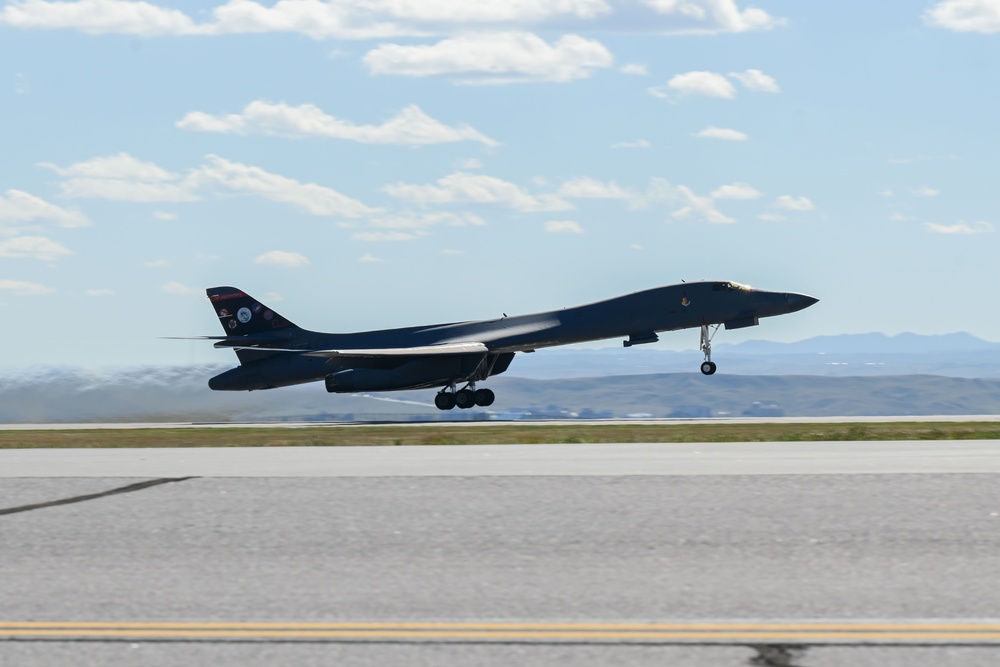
x: 466, y: 398
x: 707, y: 366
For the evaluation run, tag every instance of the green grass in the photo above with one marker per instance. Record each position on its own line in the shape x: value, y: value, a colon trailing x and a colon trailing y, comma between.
x: 444, y: 435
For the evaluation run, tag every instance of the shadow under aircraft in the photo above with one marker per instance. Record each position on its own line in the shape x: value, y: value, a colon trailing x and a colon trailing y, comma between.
x: 274, y: 352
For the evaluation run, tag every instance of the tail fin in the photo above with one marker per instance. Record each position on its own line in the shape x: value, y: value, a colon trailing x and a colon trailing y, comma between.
x: 242, y: 315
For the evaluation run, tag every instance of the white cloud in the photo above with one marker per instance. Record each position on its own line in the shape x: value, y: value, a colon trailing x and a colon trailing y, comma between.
x: 164, y: 215
x: 692, y: 207
x: 714, y: 16
x: 382, y: 19
x: 494, y: 58
x: 634, y: 69
x: 965, y: 15
x: 789, y: 203
x: 410, y: 127
x: 477, y: 188
x: 174, y: 287
x: 384, y: 236
x: 22, y: 288
x: 121, y: 178
x: 756, y: 80
x: 489, y: 11
x: 246, y: 179
x: 98, y: 17
x: 712, y: 132
x: 469, y: 163
x: 563, y: 227
x: 899, y: 217
x: 425, y: 220
x: 292, y: 260
x: 124, y: 178
x: 925, y: 192
x: 21, y: 84
x: 371, y: 19
x: 736, y: 191
x: 640, y: 143
x: 589, y: 188
x: 369, y: 259
x: 410, y: 226
x: 32, y: 247
x: 771, y: 217
x: 708, y: 84
x: 960, y: 228
x: 99, y: 292
x: 156, y: 264
x: 17, y: 207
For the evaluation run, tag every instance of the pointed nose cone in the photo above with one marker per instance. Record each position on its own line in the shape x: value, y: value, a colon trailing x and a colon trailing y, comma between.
x: 797, y: 302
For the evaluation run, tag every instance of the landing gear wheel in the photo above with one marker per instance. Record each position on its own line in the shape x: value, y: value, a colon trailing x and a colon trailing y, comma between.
x: 708, y: 367
x: 465, y: 399
x: 484, y: 397
x: 444, y: 400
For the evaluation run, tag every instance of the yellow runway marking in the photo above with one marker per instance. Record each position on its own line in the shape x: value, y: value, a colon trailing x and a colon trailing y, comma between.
x: 717, y: 632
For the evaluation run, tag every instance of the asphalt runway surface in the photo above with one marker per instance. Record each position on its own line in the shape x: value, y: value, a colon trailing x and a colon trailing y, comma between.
x: 805, y: 554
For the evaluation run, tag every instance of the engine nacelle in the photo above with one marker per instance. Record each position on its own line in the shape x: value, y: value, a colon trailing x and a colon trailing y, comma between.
x: 411, y: 375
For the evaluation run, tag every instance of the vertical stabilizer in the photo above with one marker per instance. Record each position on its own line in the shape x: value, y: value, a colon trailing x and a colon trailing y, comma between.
x: 242, y: 315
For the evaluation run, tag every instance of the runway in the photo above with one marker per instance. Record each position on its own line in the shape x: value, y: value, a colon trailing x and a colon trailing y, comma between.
x: 808, y: 553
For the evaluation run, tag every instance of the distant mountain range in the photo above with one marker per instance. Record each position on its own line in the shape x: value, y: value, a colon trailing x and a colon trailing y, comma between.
x: 854, y: 375
x: 953, y: 355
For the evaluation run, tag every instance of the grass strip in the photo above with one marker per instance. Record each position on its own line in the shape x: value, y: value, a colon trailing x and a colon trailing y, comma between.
x: 436, y: 434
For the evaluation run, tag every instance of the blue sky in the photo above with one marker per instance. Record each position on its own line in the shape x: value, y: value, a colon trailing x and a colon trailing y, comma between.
x: 377, y: 163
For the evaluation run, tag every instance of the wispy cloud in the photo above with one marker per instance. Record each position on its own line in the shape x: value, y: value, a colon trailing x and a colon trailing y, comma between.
x: 250, y: 180
x: 591, y: 188
x: 494, y: 58
x: 790, y: 203
x: 124, y: 178
x: 174, y: 287
x: 736, y: 191
x: 284, y: 258
x: 707, y: 84
x: 563, y: 227
x: 477, y: 188
x: 693, y: 207
x: 634, y: 69
x: 755, y: 80
x: 121, y: 177
x: 23, y: 288
x: 639, y: 143
x: 32, y: 247
x: 410, y: 127
x: 367, y: 19
x: 18, y: 207
x: 960, y: 228
x: 712, y: 84
x: 726, y: 134
x: 965, y: 16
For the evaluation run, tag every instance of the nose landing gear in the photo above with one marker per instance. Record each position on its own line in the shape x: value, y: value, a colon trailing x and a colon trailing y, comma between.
x: 708, y: 366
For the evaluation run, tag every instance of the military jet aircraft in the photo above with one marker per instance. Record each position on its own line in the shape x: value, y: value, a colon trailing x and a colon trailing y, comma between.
x: 273, y: 352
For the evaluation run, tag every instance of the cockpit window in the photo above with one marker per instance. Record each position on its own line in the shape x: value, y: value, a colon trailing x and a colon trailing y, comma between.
x: 730, y: 287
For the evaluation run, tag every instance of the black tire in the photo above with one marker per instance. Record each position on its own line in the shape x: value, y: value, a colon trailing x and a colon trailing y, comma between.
x: 444, y: 400
x: 464, y: 399
x: 708, y: 368
x: 485, y: 397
